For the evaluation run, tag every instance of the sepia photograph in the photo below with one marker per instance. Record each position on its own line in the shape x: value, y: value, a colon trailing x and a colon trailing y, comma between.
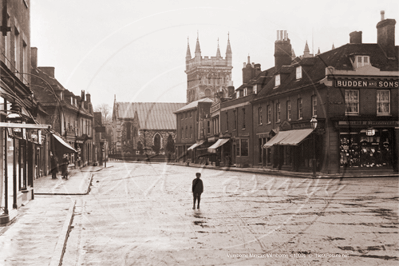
x: 207, y: 132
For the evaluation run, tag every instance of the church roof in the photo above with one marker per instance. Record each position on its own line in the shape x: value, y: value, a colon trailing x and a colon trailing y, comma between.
x: 152, y: 116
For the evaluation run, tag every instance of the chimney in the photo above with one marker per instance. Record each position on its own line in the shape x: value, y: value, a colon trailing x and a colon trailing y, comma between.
x: 88, y: 97
x: 82, y: 96
x: 33, y: 57
x: 386, y: 35
x: 282, y: 49
x: 230, y: 89
x: 355, y: 37
x: 247, y: 71
x: 48, y: 70
x: 257, y: 69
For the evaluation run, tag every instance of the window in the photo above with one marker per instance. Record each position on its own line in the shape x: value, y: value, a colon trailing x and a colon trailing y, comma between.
x: 278, y: 111
x: 289, y: 110
x: 362, y: 60
x: 255, y: 89
x: 186, y: 132
x: 299, y: 72
x: 243, y: 117
x: 277, y: 80
x: 235, y: 119
x: 300, y: 114
x: 269, y: 114
x: 383, y: 102
x: 351, y: 102
x: 260, y: 115
x: 25, y: 62
x: 209, y: 127
x: 190, y: 114
x: 244, y: 147
x: 314, y: 106
x: 191, y: 131
x: 227, y: 121
x: 182, y: 132
x: 238, y: 94
x: 16, y: 51
x: 245, y: 92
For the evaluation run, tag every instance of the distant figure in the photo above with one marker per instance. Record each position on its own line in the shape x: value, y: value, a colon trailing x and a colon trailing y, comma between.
x: 64, y: 166
x: 197, y: 189
x: 54, y: 165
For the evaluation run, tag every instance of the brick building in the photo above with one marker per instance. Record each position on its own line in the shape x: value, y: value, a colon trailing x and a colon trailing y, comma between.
x: 351, y: 90
x: 70, y: 116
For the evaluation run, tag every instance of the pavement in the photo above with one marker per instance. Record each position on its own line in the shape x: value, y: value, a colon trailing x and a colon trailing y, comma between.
x: 38, y: 231
x: 267, y: 171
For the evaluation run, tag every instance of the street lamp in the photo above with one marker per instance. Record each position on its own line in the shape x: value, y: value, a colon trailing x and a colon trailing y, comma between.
x: 313, y: 123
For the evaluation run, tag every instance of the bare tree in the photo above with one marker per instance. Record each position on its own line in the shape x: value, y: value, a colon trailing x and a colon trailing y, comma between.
x: 105, y: 110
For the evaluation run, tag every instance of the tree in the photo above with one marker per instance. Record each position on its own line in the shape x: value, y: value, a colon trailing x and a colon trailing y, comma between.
x: 105, y: 110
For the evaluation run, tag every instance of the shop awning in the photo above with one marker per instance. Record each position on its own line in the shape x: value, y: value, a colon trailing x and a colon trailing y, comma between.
x: 289, y: 138
x: 217, y: 144
x: 195, y: 145
x: 62, y: 146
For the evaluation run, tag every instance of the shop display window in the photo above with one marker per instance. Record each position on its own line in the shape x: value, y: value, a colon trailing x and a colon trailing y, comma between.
x: 366, y: 148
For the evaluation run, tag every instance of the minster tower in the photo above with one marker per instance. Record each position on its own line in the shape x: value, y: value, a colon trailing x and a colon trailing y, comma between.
x: 207, y: 76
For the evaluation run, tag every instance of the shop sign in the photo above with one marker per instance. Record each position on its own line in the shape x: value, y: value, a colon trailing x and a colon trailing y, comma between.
x: 215, y: 107
x: 368, y: 123
x: 363, y: 83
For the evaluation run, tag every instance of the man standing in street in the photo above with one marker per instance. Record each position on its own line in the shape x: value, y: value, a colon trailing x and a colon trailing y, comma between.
x: 54, y: 166
x: 197, y: 190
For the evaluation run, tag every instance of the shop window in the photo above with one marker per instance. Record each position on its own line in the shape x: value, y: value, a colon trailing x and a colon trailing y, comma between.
x: 383, y: 102
x: 300, y: 114
x: 369, y: 148
x: 289, y: 110
x: 244, y: 147
x: 351, y: 102
x: 314, y: 106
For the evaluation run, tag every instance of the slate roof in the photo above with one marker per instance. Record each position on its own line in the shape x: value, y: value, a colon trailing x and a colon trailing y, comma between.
x: 193, y: 105
x: 152, y: 116
x: 313, y: 68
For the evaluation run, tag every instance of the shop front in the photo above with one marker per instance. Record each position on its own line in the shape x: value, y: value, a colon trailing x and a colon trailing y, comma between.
x: 367, y: 145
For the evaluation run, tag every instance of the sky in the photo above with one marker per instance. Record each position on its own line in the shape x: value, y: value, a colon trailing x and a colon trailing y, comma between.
x: 135, y: 50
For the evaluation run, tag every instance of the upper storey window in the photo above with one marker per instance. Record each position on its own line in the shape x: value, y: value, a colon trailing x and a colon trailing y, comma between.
x: 362, y: 60
x: 299, y: 72
x: 277, y: 80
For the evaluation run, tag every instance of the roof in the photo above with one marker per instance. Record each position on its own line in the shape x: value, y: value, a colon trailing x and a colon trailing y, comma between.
x: 313, y: 68
x: 193, y: 104
x: 152, y: 116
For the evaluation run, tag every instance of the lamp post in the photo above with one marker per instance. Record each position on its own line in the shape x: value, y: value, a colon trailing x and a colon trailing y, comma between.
x: 313, y: 123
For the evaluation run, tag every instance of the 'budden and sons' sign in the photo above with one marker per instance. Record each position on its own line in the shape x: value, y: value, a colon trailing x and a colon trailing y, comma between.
x: 367, y: 83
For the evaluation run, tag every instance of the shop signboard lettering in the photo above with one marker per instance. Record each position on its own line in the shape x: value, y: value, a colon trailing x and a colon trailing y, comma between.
x: 368, y: 123
x: 349, y: 83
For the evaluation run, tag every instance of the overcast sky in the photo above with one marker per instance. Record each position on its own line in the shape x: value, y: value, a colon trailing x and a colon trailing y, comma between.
x: 136, y: 49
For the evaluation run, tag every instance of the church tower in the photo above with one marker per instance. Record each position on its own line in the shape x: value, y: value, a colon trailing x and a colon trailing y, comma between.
x: 206, y: 76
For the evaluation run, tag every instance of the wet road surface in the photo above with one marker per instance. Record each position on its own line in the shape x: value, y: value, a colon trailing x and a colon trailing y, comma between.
x: 141, y: 214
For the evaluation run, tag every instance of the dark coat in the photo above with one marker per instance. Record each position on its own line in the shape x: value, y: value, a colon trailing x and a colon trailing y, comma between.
x: 198, y: 186
x: 54, y: 163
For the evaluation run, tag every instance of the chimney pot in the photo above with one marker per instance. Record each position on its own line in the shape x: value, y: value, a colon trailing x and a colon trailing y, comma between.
x: 382, y: 15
